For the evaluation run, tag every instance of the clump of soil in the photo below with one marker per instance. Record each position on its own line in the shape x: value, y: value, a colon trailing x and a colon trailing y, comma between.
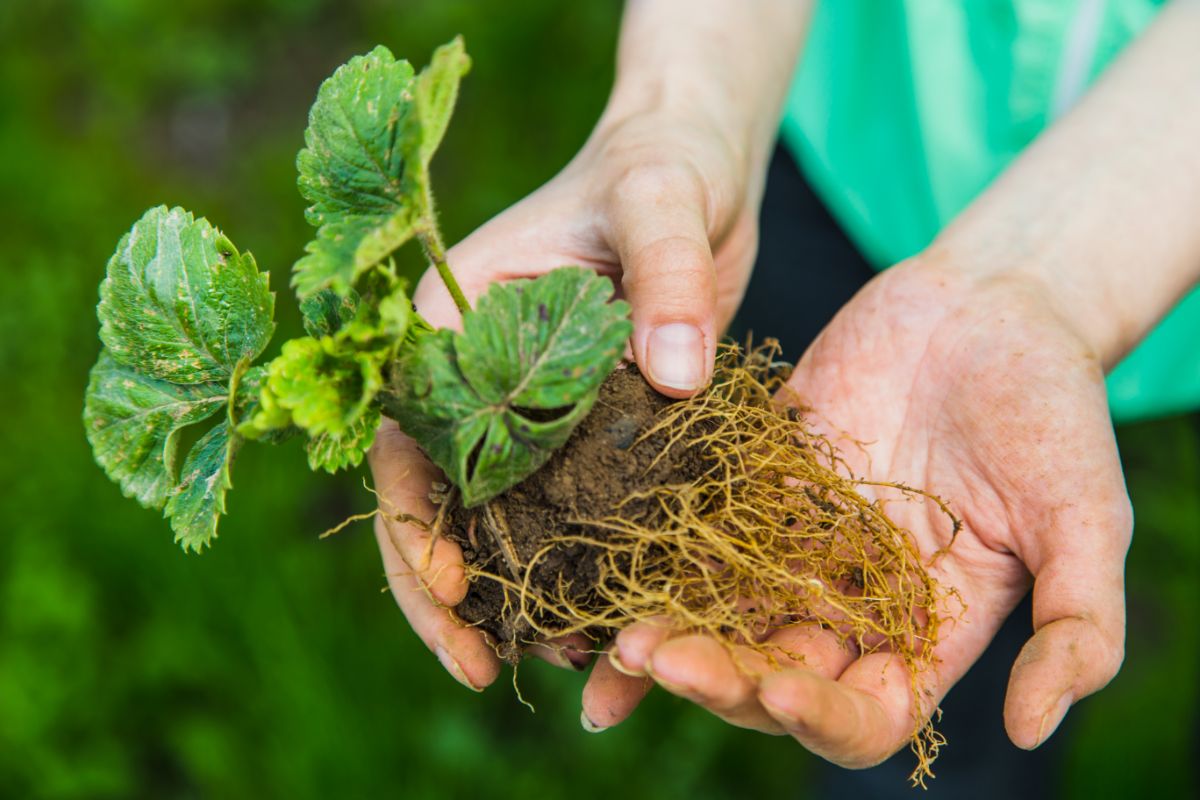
x: 726, y: 513
x: 543, y: 522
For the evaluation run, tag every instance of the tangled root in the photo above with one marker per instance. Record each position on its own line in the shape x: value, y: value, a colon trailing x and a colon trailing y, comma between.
x: 774, y: 534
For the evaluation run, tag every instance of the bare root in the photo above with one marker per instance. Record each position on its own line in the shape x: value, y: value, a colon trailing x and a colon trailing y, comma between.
x: 775, y: 533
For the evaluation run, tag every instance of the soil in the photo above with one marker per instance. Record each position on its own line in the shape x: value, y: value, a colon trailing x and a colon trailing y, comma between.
x: 600, y: 466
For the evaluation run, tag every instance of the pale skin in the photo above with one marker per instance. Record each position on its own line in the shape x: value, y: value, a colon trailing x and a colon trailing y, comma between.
x: 975, y: 367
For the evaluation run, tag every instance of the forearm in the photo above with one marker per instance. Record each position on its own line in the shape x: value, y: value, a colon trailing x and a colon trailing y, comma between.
x: 720, y: 64
x: 1104, y: 209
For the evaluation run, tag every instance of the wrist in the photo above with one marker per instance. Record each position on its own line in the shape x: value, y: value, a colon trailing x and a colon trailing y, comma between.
x: 672, y: 114
x: 1086, y: 303
x: 711, y: 66
x: 1019, y: 287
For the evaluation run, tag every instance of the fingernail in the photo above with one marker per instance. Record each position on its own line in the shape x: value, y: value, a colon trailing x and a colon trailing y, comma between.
x: 786, y: 717
x: 675, y: 356
x: 670, y: 686
x: 453, y: 668
x: 588, y: 725
x: 1053, y: 718
x: 614, y: 658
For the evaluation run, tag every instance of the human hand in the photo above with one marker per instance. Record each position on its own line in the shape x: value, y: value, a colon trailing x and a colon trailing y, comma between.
x: 666, y: 208
x: 980, y: 390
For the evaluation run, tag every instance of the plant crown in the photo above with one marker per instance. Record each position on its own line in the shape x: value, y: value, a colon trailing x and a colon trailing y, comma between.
x: 184, y: 315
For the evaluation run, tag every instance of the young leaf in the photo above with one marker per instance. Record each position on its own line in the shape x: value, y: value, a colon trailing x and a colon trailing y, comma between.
x: 180, y: 303
x: 325, y: 384
x: 133, y: 423
x: 489, y: 405
x: 198, y: 502
x: 323, y: 387
x: 257, y: 412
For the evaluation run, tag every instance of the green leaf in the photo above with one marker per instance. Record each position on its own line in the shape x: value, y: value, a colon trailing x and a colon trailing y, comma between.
x: 344, y: 250
x: 198, y: 502
x: 180, y: 303
x: 437, y: 92
x: 354, y: 171
x: 491, y: 404
x: 354, y: 160
x: 371, y: 134
x: 133, y: 423
x: 332, y: 452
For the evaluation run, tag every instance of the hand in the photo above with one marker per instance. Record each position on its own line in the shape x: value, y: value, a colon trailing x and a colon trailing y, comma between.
x: 977, y: 389
x: 976, y: 371
x: 664, y: 208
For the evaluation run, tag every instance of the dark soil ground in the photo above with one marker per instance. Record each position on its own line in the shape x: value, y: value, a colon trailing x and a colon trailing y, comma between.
x: 601, y: 465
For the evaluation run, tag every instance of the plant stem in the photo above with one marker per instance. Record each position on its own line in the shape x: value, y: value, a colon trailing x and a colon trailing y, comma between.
x: 435, y: 250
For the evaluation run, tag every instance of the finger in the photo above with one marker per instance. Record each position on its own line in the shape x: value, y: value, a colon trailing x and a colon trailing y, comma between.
x: 810, y: 647
x: 633, y: 645
x: 403, y: 476
x: 724, y: 680
x: 569, y: 652
x: 659, y: 232
x: 857, y: 721
x: 462, y: 650
x: 702, y: 670
x: 610, y: 696
x: 1079, y: 639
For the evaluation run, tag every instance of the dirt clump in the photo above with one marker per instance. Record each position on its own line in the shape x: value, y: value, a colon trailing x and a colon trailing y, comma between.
x: 607, y: 460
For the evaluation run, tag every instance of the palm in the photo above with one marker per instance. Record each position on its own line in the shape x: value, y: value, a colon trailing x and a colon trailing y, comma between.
x: 980, y: 395
x: 991, y: 407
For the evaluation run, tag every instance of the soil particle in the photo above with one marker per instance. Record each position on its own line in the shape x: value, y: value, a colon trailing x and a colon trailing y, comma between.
x: 601, y: 465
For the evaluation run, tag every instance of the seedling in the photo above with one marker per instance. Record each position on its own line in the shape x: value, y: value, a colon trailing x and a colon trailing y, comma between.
x: 582, y: 500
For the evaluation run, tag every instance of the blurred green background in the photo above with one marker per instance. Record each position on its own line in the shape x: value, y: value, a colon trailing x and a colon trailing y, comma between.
x: 273, y: 666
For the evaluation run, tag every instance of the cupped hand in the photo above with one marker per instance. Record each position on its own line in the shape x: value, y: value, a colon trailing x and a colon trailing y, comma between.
x: 663, y: 207
x: 978, y: 390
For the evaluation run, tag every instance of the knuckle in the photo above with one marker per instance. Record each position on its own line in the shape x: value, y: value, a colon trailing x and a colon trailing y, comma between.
x: 672, y: 258
x: 675, y: 273
x: 654, y: 179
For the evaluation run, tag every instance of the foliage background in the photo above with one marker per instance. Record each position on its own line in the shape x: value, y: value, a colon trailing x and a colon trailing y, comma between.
x: 272, y: 666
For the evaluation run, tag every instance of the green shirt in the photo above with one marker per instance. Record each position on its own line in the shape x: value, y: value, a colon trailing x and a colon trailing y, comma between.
x: 902, y: 111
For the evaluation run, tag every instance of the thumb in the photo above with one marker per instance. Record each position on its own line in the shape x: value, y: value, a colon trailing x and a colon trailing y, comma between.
x: 1079, y: 624
x: 659, y: 232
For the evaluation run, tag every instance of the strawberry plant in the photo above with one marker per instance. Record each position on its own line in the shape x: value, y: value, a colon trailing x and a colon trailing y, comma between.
x: 184, y: 315
x: 582, y: 500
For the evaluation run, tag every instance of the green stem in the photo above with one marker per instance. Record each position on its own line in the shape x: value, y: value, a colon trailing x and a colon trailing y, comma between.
x: 435, y: 250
